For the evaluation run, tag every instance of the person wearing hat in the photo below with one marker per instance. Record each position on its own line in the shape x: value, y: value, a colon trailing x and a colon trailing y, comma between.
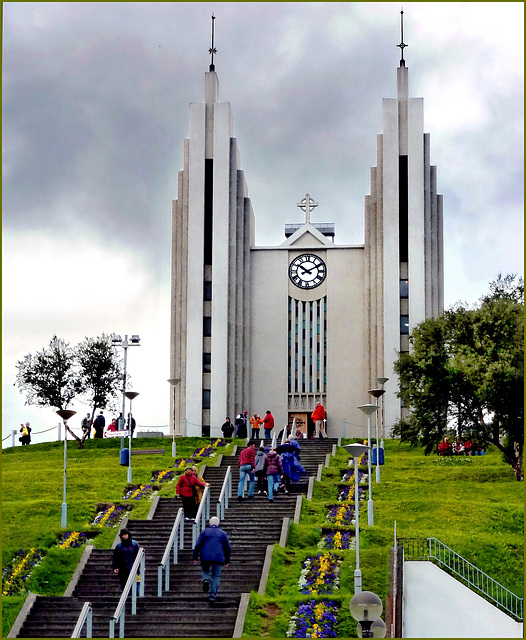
x: 213, y: 547
x: 124, y: 556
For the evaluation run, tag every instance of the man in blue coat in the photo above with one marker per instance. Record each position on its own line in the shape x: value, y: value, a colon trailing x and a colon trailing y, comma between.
x: 213, y: 546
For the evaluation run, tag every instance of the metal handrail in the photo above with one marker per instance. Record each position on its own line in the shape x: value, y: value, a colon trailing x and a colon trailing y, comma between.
x: 203, y: 514
x: 433, y: 549
x: 118, y: 616
x: 86, y: 616
x: 226, y: 493
x: 176, y: 536
x: 274, y: 440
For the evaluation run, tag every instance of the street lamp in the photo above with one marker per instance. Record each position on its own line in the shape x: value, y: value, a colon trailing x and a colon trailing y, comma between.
x: 130, y: 395
x: 117, y: 341
x: 366, y: 608
x: 174, y: 382
x: 368, y: 409
x: 357, y: 450
x: 377, y: 393
x: 381, y: 381
x: 65, y: 414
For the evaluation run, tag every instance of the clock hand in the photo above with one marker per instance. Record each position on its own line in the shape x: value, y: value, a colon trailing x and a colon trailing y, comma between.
x: 307, y: 270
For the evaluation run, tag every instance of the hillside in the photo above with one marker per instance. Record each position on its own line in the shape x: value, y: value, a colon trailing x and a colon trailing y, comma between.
x: 474, y: 505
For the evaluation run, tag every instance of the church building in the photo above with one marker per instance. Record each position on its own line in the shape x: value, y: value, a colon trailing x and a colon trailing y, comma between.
x: 339, y: 314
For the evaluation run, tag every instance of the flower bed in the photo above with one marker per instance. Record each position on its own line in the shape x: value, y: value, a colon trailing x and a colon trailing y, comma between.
x: 320, y: 574
x: 348, y: 476
x: 314, y: 620
x: 136, y: 493
x: 347, y: 494
x: 338, y: 540
x: 163, y: 476
x: 341, y: 514
x: 73, y: 539
x: 109, y: 516
x: 19, y: 569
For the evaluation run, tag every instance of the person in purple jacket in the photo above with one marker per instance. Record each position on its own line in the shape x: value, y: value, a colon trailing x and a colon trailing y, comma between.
x: 274, y: 470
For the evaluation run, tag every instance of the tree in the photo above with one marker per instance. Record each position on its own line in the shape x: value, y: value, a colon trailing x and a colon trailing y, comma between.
x: 91, y: 371
x: 467, y: 367
x: 49, y: 378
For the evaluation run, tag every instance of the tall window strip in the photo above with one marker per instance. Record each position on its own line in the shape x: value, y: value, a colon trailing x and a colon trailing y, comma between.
x: 307, y: 346
x: 403, y: 207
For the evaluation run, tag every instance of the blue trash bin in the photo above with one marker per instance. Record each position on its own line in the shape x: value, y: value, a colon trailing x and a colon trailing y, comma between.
x: 381, y: 455
x: 125, y: 457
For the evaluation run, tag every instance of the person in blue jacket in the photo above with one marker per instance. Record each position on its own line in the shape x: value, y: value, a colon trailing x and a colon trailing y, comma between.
x: 124, y: 556
x: 213, y: 547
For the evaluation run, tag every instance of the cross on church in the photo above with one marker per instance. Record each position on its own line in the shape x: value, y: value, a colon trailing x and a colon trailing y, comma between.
x: 307, y: 205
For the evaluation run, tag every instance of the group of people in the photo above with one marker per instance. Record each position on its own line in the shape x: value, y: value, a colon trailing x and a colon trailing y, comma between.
x: 271, y: 467
x: 99, y: 425
x: 212, y: 549
x: 240, y: 427
x: 25, y: 430
x: 459, y: 448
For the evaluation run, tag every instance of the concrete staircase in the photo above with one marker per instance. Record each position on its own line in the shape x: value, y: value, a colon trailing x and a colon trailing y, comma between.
x: 184, y: 610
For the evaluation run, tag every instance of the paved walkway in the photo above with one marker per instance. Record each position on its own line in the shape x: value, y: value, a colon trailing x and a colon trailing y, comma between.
x: 438, y: 606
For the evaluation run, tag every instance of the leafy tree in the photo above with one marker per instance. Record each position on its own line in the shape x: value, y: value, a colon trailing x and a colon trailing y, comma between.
x: 49, y: 378
x: 467, y: 366
x: 91, y: 371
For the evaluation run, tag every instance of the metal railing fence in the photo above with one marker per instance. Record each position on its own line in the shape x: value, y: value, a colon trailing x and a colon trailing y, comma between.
x: 85, y: 617
x: 226, y: 493
x: 175, y: 542
x: 454, y: 564
x: 202, y: 516
x: 131, y: 585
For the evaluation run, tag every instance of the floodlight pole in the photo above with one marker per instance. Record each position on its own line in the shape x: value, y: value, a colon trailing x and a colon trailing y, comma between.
x: 130, y: 395
x: 174, y: 382
x: 377, y: 393
x: 65, y: 414
x: 368, y: 409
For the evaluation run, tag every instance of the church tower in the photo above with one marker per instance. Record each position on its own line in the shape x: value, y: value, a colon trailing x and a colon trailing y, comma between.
x: 403, y: 238
x: 212, y: 230
x: 283, y: 327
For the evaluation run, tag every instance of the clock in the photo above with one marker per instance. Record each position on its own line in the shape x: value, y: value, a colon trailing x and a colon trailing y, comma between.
x: 307, y: 271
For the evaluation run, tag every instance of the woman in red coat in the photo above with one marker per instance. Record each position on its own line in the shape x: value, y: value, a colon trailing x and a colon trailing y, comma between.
x: 318, y: 415
x: 186, y: 488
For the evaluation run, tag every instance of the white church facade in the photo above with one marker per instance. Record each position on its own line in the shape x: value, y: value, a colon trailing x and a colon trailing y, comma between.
x: 339, y: 313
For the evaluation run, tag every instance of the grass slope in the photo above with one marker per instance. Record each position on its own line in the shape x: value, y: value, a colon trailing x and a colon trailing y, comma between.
x: 473, y: 505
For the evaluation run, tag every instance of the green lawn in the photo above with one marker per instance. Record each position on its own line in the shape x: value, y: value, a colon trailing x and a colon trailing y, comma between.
x: 474, y: 506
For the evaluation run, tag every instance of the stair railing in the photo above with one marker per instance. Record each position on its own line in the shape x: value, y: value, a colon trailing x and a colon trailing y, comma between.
x: 203, y: 515
x: 86, y: 616
x: 175, y: 542
x: 434, y: 550
x: 226, y: 493
x: 131, y: 585
x: 274, y: 440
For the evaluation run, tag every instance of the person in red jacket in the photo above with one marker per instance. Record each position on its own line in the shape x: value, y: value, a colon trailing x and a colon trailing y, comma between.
x: 445, y: 448
x: 186, y: 488
x: 247, y: 464
x: 268, y: 424
x: 318, y: 415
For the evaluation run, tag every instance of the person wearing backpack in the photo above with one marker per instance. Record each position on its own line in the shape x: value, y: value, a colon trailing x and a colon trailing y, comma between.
x: 124, y: 556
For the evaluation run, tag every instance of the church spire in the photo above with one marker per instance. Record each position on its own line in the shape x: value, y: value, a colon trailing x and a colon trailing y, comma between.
x: 212, y: 49
x: 402, y: 45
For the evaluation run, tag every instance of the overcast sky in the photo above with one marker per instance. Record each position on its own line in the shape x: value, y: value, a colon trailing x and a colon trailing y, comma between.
x: 95, y: 110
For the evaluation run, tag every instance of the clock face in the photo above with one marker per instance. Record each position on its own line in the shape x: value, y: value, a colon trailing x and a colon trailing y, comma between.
x: 307, y: 271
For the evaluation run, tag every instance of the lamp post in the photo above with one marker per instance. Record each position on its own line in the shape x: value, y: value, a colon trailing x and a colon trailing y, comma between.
x: 357, y: 450
x: 368, y: 409
x: 366, y: 607
x: 117, y: 341
x: 381, y: 381
x: 65, y: 414
x: 377, y: 393
x: 174, y: 382
x: 130, y: 395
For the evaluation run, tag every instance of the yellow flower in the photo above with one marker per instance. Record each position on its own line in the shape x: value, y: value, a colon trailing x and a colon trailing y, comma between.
x: 71, y: 539
x: 106, y: 515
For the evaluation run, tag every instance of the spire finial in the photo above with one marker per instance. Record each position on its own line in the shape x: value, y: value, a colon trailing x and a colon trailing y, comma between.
x: 402, y: 45
x: 212, y: 49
